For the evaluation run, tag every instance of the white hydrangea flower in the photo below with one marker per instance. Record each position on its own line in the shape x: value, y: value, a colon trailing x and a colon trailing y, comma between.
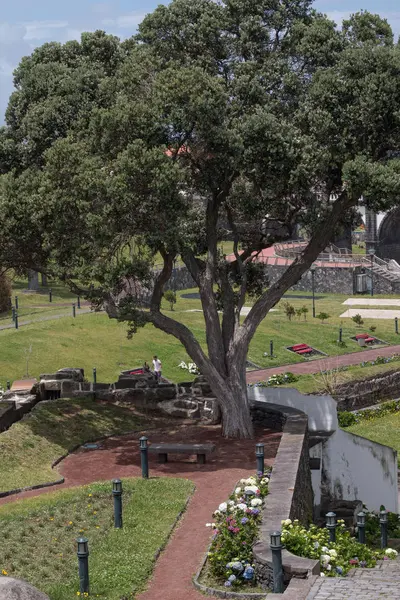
x: 333, y: 553
x: 328, y: 567
x: 316, y: 545
x: 251, y: 481
x: 325, y: 549
x: 391, y: 552
x: 325, y: 559
x: 265, y: 480
x: 252, y: 488
x: 256, y: 502
x: 238, y: 490
x: 222, y: 507
x: 241, y: 506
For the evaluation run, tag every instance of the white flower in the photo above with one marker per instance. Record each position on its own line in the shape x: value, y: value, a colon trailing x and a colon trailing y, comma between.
x: 287, y: 522
x: 333, y: 553
x: 391, y: 552
x: 322, y: 574
x: 209, y: 524
x: 316, y: 545
x: 238, y: 490
x: 182, y: 365
x: 241, y: 506
x: 256, y: 502
x: 265, y: 480
x: 222, y: 507
x: 325, y: 549
x: 251, y: 481
x: 325, y: 559
x: 216, y: 513
x: 252, y: 488
x: 243, y: 481
x: 328, y: 567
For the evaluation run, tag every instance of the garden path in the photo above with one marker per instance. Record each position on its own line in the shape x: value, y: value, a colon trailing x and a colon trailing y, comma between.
x: 323, y: 364
x: 120, y: 457
x: 381, y: 583
x: 81, y: 311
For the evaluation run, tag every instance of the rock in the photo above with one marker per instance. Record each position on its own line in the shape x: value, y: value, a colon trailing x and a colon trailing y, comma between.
x: 16, y: 589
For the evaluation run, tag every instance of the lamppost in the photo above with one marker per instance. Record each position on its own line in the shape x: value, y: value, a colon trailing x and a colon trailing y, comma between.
x: 276, y: 549
x: 361, y: 527
x: 260, y: 458
x: 331, y: 525
x: 383, y: 523
x: 83, y: 561
x: 313, y: 289
x: 117, y: 493
x: 371, y: 254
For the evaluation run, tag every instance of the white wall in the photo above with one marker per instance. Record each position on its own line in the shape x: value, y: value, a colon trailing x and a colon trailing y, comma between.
x: 355, y: 468
x: 321, y: 410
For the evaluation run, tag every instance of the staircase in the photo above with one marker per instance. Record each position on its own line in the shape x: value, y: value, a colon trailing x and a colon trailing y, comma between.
x: 392, y: 276
x: 381, y: 583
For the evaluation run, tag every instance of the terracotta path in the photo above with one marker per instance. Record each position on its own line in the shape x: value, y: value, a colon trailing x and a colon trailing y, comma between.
x: 120, y: 457
x: 322, y: 364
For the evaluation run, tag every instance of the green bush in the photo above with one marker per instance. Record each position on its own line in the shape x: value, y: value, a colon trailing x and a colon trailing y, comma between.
x: 346, y: 418
x: 323, y: 316
x: 289, y: 310
x: 170, y: 297
x: 357, y: 320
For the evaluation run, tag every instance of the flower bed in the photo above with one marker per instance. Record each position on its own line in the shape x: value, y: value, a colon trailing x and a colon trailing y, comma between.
x: 282, y: 379
x: 235, y: 529
x: 336, y: 558
x: 373, y: 530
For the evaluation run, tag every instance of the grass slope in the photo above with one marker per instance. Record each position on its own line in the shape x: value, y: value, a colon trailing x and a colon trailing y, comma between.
x: 384, y: 430
x: 120, y: 561
x: 30, y: 446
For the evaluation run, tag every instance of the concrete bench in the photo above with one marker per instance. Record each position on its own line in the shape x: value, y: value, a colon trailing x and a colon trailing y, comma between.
x: 201, y: 450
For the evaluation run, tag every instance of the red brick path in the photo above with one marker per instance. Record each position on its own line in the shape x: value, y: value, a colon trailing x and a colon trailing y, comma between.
x: 322, y: 364
x: 120, y: 457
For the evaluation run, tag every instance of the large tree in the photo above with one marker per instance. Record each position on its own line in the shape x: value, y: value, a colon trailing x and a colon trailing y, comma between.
x: 241, y: 119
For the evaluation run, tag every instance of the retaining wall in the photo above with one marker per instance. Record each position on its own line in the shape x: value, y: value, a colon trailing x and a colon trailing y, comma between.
x: 290, y: 490
x: 369, y: 391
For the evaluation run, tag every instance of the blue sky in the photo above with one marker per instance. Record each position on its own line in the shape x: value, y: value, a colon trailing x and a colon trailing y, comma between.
x: 25, y: 24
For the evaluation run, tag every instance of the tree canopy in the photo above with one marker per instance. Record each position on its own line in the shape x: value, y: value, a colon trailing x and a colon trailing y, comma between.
x: 240, y: 120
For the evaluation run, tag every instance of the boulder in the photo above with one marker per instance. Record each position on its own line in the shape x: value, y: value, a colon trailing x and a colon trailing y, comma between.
x: 16, y: 589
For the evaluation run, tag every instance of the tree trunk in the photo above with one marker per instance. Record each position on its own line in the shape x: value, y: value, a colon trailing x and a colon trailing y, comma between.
x: 233, y: 401
x: 33, y: 280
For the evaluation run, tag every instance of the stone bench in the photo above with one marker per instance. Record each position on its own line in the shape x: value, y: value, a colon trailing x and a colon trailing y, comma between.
x: 201, y: 450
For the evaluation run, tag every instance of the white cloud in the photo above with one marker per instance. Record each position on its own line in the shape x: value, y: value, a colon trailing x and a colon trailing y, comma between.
x: 6, y: 68
x: 126, y: 21
x: 41, y: 30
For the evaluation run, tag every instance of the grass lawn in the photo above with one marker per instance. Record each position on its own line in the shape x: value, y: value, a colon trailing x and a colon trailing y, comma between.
x: 38, y: 536
x: 93, y: 340
x: 30, y: 446
x: 384, y: 430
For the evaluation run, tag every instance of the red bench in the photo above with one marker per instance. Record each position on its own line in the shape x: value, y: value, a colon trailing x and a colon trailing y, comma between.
x: 361, y: 336
x: 299, y: 347
x: 369, y: 340
x: 305, y: 351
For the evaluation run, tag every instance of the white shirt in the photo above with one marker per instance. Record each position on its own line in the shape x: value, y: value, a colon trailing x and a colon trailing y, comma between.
x: 157, y: 365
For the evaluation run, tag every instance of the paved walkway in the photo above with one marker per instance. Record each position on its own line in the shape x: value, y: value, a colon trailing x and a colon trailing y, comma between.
x: 119, y: 457
x: 381, y: 583
x: 323, y: 364
x: 371, y: 313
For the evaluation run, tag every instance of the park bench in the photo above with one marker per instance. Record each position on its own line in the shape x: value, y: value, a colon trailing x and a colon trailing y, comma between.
x: 361, y: 336
x: 304, y: 351
x: 201, y: 450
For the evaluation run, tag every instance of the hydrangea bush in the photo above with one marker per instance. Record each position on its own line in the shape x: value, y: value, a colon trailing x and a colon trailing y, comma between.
x: 191, y: 367
x: 235, y: 529
x: 336, y: 558
x: 373, y: 529
x: 281, y: 379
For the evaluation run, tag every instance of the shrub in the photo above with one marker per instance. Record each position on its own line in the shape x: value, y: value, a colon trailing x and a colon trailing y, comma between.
x: 323, y: 316
x: 235, y: 529
x: 357, y: 320
x: 369, y: 414
x: 304, y: 311
x: 372, y: 328
x: 5, y: 294
x: 336, y: 558
x: 280, y: 379
x: 289, y: 310
x: 346, y: 418
x: 170, y: 297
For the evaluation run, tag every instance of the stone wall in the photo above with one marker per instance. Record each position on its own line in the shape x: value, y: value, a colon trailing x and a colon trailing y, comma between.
x: 369, y: 391
x: 290, y: 490
x: 8, y: 415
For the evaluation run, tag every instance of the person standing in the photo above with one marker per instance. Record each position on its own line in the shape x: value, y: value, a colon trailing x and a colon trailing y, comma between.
x: 157, y: 366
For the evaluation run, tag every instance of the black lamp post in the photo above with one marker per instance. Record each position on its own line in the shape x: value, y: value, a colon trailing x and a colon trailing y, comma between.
x: 276, y: 549
x: 83, y: 561
x: 94, y: 375
x: 78, y: 301
x: 313, y: 289
x: 260, y: 458
x: 396, y: 325
x: 117, y: 493
x: 73, y: 310
x: 361, y: 527
x: 371, y: 253
x: 16, y: 302
x: 144, y: 457
x: 16, y: 320
x: 384, y: 534
x: 13, y: 313
x: 331, y: 525
x: 50, y: 295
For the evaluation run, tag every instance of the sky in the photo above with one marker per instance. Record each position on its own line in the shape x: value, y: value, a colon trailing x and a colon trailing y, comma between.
x: 26, y: 24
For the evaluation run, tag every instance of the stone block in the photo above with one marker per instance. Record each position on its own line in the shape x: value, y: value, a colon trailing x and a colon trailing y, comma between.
x: 16, y: 589
x: 101, y: 386
x: 51, y: 384
x: 68, y: 386
x: 125, y: 384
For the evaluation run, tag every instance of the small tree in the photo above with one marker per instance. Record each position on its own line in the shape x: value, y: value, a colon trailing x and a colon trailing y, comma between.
x: 323, y: 316
x: 289, y: 310
x: 357, y: 320
x: 170, y: 297
x: 299, y: 312
x: 304, y: 311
